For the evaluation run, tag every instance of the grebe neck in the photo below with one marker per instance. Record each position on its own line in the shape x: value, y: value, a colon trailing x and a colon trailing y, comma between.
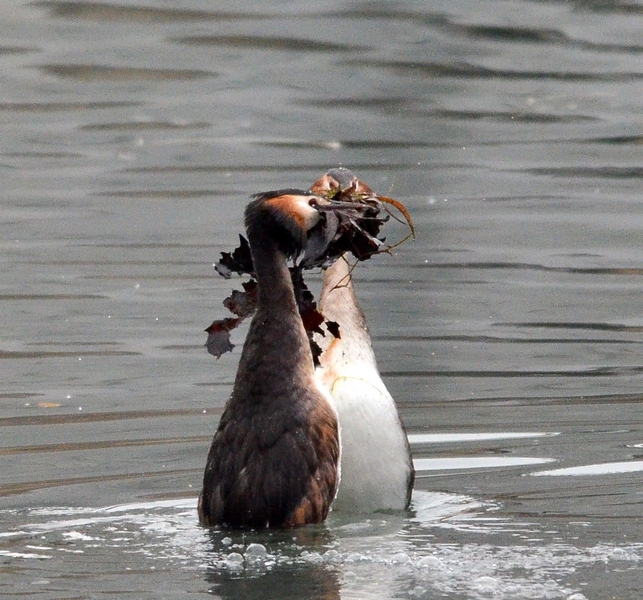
x: 275, y: 288
x: 339, y: 303
x: 276, y: 360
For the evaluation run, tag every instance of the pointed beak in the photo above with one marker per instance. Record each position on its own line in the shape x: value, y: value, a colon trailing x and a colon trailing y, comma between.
x: 319, y: 238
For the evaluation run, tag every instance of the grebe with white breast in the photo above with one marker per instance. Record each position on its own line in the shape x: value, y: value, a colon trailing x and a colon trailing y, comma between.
x: 274, y: 460
x: 376, y: 464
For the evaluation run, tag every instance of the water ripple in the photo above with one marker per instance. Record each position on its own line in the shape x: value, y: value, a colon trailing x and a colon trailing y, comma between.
x: 106, y: 73
x: 412, y: 110
x: 144, y: 126
x: 16, y: 50
x: 22, y: 355
x: 23, y: 487
x: 47, y: 107
x: 488, y: 339
x: 580, y: 372
x: 22, y: 297
x: 530, y: 35
x: 106, y: 12
x: 258, y: 42
x: 531, y: 267
x: 471, y: 71
x: 101, y: 417
x: 576, y: 325
x: 605, y: 172
x: 103, y: 445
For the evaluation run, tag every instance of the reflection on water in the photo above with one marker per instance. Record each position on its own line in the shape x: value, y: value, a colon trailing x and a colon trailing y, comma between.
x: 508, y: 331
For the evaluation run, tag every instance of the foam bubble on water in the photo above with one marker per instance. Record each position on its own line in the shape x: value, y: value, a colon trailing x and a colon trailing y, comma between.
x: 400, y: 558
x: 234, y: 560
x: 349, y: 576
x: 485, y: 585
x: 331, y: 555
x: 312, y: 557
x: 256, y: 552
x: 429, y: 562
x: 354, y: 557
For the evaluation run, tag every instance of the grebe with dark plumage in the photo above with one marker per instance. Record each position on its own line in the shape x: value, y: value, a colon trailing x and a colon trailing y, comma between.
x: 376, y: 463
x: 274, y: 460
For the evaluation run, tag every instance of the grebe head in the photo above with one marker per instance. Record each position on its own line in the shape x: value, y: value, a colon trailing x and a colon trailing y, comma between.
x: 285, y: 216
x: 340, y: 184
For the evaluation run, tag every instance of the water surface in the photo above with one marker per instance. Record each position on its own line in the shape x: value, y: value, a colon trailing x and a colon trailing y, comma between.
x: 509, y: 332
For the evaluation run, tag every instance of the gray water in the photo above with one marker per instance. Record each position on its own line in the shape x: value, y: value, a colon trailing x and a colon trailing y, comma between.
x: 509, y: 331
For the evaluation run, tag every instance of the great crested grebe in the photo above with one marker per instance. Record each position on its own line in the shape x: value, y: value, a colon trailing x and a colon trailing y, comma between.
x: 274, y: 460
x: 376, y: 464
